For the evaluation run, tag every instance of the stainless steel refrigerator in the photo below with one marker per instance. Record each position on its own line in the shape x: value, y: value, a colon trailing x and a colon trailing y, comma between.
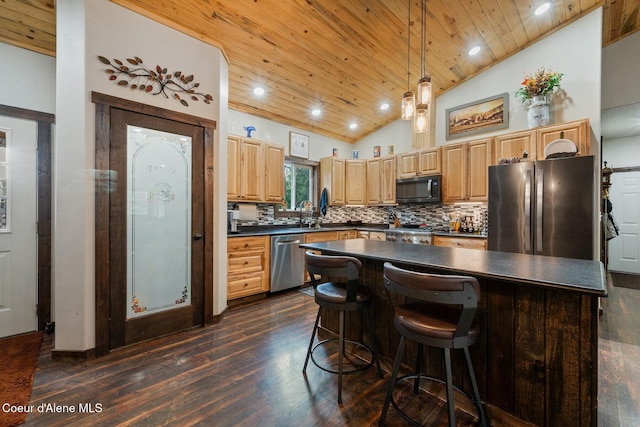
x: 542, y: 208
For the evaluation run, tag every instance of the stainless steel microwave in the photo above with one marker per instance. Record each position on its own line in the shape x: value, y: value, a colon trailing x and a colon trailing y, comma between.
x: 419, y: 189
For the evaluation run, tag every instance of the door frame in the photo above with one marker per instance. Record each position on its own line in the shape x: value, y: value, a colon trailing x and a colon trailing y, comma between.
x: 103, y: 105
x: 44, y: 123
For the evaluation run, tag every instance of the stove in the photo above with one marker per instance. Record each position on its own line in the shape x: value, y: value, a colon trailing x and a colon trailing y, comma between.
x: 409, y: 235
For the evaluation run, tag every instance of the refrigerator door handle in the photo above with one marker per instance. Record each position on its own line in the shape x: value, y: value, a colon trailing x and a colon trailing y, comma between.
x: 539, y: 206
x: 527, y: 213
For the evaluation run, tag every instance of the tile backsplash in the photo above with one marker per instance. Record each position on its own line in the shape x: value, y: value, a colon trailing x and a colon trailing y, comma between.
x: 433, y: 215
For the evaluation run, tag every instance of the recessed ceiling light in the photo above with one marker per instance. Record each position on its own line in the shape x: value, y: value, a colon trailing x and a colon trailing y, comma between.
x: 316, y: 112
x: 384, y: 106
x: 474, y: 50
x: 353, y: 125
x: 258, y: 91
x: 542, y: 9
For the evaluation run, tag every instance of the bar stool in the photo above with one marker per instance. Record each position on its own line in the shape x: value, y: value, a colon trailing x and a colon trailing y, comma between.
x: 340, y: 296
x: 442, y: 317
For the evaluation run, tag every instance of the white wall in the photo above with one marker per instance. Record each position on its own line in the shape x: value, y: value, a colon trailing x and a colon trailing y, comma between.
x: 574, y: 51
x: 86, y: 29
x: 27, y: 79
x: 622, y: 152
x: 620, y: 65
x: 398, y: 134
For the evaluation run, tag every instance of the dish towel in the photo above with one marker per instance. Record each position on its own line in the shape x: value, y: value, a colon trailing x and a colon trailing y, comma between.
x: 324, y: 202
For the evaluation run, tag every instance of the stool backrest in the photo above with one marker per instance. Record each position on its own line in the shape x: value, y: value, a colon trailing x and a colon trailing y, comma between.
x: 339, y: 269
x: 450, y: 290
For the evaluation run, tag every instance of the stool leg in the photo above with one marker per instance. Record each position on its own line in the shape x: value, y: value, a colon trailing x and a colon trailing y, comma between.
x: 392, y: 381
x: 476, y: 392
x: 340, y: 356
x: 313, y: 335
x: 416, y: 381
x: 450, y: 402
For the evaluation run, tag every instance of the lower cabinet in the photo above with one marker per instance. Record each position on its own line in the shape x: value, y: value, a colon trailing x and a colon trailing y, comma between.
x: 460, y: 242
x: 247, y: 266
x: 377, y: 235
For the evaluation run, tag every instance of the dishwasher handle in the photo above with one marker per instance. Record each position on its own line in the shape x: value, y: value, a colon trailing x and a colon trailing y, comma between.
x: 288, y: 242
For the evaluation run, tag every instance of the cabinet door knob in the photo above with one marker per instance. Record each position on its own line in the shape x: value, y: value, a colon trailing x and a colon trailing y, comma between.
x: 197, y: 236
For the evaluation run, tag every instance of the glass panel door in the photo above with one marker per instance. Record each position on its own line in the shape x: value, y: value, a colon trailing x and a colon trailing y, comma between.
x: 159, y: 221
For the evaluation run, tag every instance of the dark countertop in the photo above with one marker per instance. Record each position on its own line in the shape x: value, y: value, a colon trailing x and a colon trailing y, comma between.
x: 584, y: 276
x: 458, y: 234
x: 280, y: 230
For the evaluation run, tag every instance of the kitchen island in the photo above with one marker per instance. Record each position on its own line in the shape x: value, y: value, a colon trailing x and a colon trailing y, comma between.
x: 537, y: 358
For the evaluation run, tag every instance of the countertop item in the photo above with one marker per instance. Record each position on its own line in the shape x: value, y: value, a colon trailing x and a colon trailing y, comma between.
x: 578, y: 275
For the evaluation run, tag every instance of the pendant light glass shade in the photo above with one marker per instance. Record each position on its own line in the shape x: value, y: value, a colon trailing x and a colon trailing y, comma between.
x: 408, y: 105
x: 424, y: 90
x: 421, y: 121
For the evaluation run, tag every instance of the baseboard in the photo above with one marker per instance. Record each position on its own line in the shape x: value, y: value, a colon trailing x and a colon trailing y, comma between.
x: 73, y: 356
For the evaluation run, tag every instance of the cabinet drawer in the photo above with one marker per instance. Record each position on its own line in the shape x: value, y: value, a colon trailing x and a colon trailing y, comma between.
x: 244, y: 263
x: 322, y: 236
x: 244, y: 285
x: 235, y: 244
x: 460, y: 242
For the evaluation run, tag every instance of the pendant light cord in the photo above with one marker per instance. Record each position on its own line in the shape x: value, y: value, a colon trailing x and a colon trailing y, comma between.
x: 408, y: 45
x: 423, y: 44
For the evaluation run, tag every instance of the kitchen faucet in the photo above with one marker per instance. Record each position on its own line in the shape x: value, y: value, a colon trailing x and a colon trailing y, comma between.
x: 306, y: 205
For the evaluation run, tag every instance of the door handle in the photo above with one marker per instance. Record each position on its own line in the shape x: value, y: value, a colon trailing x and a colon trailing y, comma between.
x: 197, y: 236
x: 539, y: 209
x: 527, y: 213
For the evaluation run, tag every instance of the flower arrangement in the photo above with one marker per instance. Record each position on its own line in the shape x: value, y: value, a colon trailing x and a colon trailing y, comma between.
x: 542, y: 82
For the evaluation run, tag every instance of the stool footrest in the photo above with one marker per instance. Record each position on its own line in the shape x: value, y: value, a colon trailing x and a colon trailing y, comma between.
x: 349, y: 371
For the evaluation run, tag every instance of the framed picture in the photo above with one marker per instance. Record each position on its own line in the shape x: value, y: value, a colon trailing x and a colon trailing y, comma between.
x: 299, y: 145
x: 485, y: 115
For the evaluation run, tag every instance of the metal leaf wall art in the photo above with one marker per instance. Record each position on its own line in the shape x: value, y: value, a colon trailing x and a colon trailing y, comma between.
x: 138, y: 76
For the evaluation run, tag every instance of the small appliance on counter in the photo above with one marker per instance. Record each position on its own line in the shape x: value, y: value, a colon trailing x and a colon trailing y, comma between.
x: 232, y: 221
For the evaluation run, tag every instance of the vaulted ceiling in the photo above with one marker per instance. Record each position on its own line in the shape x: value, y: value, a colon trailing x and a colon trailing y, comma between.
x: 344, y: 57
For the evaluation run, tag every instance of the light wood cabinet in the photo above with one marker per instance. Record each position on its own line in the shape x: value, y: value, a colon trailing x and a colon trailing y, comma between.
x: 233, y: 168
x: 423, y: 162
x: 377, y: 235
x: 255, y: 170
x: 274, y: 173
x: 381, y: 181
x: 465, y: 171
x: 355, y: 182
x: 247, y: 266
x: 577, y: 131
x: 347, y: 234
x: 514, y: 145
x: 460, y: 242
x: 332, y: 177
x: 321, y: 236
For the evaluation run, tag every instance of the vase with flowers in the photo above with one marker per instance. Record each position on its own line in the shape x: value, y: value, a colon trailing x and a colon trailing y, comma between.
x: 535, y: 89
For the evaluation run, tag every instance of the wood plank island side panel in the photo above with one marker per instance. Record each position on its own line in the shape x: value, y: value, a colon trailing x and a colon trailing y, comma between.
x: 589, y: 318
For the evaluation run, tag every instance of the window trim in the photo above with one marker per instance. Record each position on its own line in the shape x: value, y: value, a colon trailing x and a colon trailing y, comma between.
x: 315, y: 175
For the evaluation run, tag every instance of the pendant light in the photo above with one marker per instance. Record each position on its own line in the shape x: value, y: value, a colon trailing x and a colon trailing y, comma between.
x: 421, y: 121
x: 408, y: 99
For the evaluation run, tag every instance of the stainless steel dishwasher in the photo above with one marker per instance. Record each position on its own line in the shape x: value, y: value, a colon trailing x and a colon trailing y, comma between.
x: 287, y: 261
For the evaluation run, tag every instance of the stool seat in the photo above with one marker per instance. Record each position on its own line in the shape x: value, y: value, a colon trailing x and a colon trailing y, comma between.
x: 336, y: 293
x: 430, y: 320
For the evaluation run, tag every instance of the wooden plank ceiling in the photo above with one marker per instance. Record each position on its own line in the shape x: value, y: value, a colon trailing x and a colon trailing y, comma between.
x: 345, y: 57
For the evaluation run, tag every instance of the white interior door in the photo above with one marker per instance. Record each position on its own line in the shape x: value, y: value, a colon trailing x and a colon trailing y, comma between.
x: 18, y: 260
x: 624, y: 250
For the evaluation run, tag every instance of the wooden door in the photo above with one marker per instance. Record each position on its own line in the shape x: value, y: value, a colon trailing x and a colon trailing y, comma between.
x: 374, y: 189
x: 430, y: 161
x: 251, y: 170
x: 454, y: 171
x: 387, y: 180
x: 156, y: 253
x: 274, y: 173
x: 578, y: 132
x: 233, y: 156
x: 407, y: 164
x: 514, y: 145
x: 355, y: 179
x: 478, y: 170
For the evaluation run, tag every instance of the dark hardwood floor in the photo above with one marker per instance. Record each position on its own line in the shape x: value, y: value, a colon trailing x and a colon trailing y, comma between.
x: 246, y: 370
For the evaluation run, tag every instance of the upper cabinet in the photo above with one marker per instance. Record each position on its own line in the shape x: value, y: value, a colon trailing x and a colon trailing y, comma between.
x: 423, y: 162
x: 255, y: 170
x: 464, y: 170
x: 274, y: 173
x: 381, y: 181
x: 355, y: 182
x: 514, y: 145
x: 332, y: 178
x: 577, y: 131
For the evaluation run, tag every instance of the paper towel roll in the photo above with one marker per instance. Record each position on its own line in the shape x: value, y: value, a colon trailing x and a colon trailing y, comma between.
x: 248, y: 212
